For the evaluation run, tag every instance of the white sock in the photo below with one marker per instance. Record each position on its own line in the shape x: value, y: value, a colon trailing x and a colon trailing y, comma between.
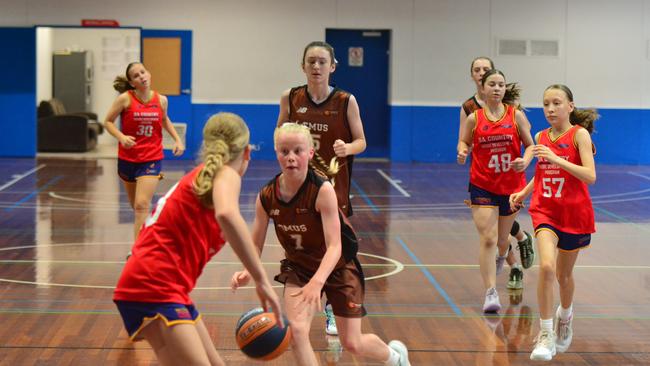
x: 566, y: 313
x: 546, y: 324
x: 505, y: 254
x: 516, y: 265
x: 393, y: 358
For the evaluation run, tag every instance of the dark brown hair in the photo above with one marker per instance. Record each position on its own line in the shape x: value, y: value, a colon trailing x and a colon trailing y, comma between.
x: 121, y: 82
x: 512, y: 93
x: 582, y: 117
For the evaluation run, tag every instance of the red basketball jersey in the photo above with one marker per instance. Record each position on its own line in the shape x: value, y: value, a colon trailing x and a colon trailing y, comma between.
x: 328, y: 122
x: 495, y: 145
x: 560, y: 199
x: 176, y: 242
x: 144, y: 122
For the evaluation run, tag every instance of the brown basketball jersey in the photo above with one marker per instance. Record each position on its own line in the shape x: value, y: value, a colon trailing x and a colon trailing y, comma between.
x: 328, y: 122
x: 299, y: 227
x: 471, y: 105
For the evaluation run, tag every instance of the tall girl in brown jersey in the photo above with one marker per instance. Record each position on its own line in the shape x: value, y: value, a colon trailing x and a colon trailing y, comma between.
x: 496, y: 134
x: 478, y: 68
x: 331, y: 114
x: 333, y: 117
x: 561, y: 209
x: 320, y: 250
x: 143, y: 113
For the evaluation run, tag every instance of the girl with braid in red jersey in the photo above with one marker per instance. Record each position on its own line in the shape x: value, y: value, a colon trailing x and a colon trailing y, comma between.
x: 320, y: 249
x: 561, y: 209
x: 143, y: 114
x: 496, y: 134
x: 190, y: 224
x: 478, y: 68
x: 333, y: 117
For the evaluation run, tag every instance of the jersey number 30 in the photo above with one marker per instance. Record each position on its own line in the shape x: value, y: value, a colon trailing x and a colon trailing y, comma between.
x: 144, y: 130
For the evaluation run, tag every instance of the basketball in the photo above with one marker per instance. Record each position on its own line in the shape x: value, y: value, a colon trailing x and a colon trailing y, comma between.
x: 260, y: 337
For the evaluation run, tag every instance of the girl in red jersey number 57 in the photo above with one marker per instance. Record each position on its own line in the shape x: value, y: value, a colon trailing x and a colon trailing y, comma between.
x: 561, y: 209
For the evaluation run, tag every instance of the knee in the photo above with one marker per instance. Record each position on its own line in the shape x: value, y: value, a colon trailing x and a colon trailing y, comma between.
x: 299, y: 333
x: 351, y: 345
x: 546, y: 271
x: 489, y: 241
x: 563, y: 278
x: 141, y: 205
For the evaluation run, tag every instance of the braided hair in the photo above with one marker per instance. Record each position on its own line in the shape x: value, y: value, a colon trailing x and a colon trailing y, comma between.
x: 225, y: 136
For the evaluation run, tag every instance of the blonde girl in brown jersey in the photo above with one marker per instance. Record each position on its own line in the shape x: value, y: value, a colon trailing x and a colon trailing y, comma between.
x: 304, y: 206
x: 333, y: 141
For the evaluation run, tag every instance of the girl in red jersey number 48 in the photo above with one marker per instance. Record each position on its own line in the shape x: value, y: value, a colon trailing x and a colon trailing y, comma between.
x: 496, y: 134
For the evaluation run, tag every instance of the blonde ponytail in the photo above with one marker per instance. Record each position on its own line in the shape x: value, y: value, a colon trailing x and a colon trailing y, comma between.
x: 328, y: 170
x: 225, y: 136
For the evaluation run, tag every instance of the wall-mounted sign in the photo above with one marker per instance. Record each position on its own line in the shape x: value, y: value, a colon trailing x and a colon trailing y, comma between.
x: 355, y: 56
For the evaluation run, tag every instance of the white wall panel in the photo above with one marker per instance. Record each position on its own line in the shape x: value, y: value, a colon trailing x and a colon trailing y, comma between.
x: 606, y: 52
x: 249, y: 50
x: 448, y: 35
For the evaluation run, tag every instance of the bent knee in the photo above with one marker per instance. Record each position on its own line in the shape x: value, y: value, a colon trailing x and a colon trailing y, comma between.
x: 142, y: 206
x: 351, y: 345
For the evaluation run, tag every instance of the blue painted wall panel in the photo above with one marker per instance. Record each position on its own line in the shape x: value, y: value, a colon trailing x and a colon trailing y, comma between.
x: 18, y: 92
x: 261, y: 120
x: 429, y: 134
x: 400, y: 139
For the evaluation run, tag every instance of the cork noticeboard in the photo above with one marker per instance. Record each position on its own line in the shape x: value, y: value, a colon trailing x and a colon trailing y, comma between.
x: 162, y: 57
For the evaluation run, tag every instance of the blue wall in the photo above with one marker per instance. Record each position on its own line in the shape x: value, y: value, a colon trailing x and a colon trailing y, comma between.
x: 429, y: 134
x: 18, y: 92
x: 261, y: 120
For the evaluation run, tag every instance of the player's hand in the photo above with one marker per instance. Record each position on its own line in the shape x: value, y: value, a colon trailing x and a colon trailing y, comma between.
x: 516, y: 200
x: 309, y: 296
x: 178, y: 148
x: 340, y: 148
x: 127, y: 141
x: 461, y: 158
x: 239, y: 279
x: 270, y: 300
x: 519, y: 164
x: 543, y: 152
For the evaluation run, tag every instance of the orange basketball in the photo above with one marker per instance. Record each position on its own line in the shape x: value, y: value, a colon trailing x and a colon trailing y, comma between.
x: 260, y: 337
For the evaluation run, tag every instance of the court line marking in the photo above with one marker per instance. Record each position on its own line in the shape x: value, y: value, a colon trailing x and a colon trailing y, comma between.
x: 364, y: 196
x: 394, y: 183
x: 394, y: 263
x: 621, y: 218
x: 64, y: 198
x: 430, y: 277
x: 398, y: 267
x: 370, y: 314
x: 33, y: 193
x: 18, y: 177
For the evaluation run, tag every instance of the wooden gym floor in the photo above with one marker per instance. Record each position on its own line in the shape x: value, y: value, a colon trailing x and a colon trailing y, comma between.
x: 65, y: 228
